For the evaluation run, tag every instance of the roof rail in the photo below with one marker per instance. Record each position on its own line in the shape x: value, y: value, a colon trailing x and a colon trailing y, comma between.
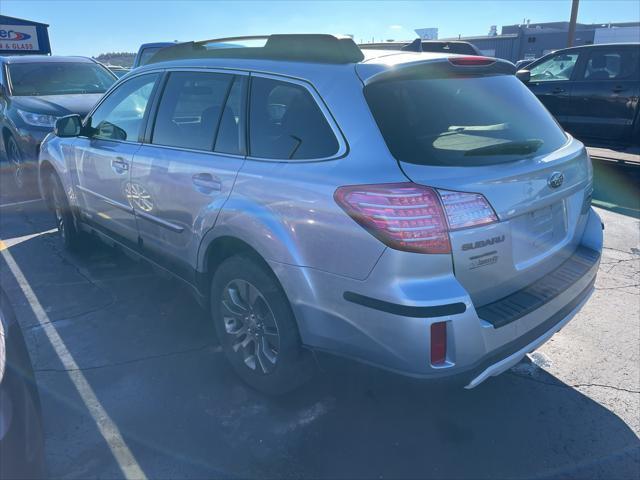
x: 318, y: 48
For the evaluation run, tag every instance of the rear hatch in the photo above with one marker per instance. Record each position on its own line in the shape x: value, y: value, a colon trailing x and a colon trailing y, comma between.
x: 476, y: 128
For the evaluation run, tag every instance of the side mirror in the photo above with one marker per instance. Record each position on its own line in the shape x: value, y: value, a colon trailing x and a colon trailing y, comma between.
x: 524, y: 75
x: 69, y: 126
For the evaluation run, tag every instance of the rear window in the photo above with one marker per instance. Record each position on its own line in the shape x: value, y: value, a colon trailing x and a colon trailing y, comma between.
x: 471, y: 120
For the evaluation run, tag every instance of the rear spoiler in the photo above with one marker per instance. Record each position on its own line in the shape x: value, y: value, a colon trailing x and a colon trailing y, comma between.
x: 444, y: 67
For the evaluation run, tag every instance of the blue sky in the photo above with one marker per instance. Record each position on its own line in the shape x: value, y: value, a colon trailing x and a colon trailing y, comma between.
x: 92, y: 27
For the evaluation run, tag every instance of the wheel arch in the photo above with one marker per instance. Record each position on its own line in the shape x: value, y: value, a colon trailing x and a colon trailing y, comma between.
x: 225, y: 246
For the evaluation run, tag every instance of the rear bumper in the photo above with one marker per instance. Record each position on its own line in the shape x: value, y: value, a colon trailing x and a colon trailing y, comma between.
x: 513, y: 353
x: 385, y: 320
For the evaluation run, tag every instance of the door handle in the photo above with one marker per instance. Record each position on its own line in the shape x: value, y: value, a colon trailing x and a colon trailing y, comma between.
x: 206, y: 183
x: 618, y: 89
x: 119, y: 165
x: 557, y: 90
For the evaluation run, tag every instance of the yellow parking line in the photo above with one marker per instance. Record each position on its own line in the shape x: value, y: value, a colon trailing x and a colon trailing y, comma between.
x: 106, y: 426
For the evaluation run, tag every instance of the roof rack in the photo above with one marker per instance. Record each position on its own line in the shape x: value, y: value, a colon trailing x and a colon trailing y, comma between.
x: 318, y: 48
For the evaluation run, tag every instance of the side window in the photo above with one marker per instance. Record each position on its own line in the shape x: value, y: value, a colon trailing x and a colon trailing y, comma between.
x: 558, y: 67
x: 190, y: 109
x: 120, y: 116
x: 612, y: 65
x: 286, y: 123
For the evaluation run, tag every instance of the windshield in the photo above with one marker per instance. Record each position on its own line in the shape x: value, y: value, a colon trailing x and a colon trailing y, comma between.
x: 58, y: 78
x: 463, y: 120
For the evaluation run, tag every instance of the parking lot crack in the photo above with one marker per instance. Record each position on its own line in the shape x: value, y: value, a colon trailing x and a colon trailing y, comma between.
x: 619, y: 287
x: 600, y: 385
x: 574, y: 385
x: 633, y: 251
x: 130, y: 361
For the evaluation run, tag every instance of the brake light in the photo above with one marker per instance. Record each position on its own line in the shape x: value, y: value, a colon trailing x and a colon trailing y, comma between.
x: 438, y: 343
x: 404, y: 216
x: 412, y: 217
x: 466, y: 209
x: 471, y: 61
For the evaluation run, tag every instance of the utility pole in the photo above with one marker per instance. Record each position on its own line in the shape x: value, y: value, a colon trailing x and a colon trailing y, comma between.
x: 572, y: 22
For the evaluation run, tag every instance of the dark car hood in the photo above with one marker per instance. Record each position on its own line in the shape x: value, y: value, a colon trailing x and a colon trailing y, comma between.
x: 58, y: 105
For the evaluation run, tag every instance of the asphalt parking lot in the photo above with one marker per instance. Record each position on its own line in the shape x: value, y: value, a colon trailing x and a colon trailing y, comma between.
x: 133, y: 382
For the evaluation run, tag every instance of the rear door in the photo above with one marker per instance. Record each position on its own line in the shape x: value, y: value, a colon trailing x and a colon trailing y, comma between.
x: 487, y: 134
x: 103, y: 160
x: 185, y: 170
x: 551, y: 83
x: 604, y: 97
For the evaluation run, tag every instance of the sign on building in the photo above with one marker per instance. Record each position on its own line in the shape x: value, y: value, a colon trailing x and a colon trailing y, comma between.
x: 427, y: 33
x: 18, y: 38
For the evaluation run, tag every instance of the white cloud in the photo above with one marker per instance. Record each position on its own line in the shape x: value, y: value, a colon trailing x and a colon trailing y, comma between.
x: 396, y: 27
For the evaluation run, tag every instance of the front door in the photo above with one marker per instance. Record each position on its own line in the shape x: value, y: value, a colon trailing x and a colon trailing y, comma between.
x: 604, y: 99
x: 551, y: 83
x: 187, y: 166
x: 104, y: 158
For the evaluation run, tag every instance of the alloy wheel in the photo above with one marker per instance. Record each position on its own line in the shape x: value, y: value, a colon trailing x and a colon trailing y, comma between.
x: 249, y: 321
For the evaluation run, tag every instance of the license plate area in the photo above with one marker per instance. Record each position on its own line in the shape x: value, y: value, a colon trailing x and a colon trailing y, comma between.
x: 537, y: 232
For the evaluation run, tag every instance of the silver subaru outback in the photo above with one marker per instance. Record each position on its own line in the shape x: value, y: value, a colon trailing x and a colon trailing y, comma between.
x: 419, y: 212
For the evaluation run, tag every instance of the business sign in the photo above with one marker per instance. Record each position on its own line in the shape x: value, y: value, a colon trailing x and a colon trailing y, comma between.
x: 427, y: 33
x: 18, y: 38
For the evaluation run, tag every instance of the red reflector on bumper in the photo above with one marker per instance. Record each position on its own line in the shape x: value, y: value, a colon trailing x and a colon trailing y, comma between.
x: 438, y: 343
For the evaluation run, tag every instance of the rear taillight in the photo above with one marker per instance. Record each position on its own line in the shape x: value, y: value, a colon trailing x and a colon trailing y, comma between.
x: 404, y: 216
x: 471, y: 61
x: 410, y: 217
x: 438, y: 343
x: 466, y: 209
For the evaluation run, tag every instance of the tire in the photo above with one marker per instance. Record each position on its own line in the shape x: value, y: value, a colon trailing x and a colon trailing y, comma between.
x: 636, y: 131
x: 16, y: 162
x: 69, y: 235
x: 256, y: 327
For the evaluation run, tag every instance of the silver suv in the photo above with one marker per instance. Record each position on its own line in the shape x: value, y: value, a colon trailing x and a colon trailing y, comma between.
x: 420, y: 212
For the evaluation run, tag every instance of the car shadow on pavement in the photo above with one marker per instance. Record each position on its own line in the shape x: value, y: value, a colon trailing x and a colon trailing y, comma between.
x: 151, y: 357
x: 617, y: 187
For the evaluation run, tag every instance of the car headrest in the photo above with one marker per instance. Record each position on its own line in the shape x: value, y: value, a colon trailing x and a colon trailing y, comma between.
x: 197, y: 90
x: 599, y: 61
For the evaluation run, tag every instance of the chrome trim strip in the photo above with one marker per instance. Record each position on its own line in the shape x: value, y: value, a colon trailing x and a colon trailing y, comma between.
x: 163, y: 223
x: 128, y: 209
x: 113, y: 203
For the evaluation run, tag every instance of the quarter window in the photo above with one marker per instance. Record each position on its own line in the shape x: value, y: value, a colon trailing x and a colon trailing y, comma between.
x: 191, y: 109
x: 286, y: 122
x: 557, y: 68
x: 121, y: 115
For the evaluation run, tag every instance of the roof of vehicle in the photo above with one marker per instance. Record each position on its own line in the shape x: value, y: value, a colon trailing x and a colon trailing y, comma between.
x: 583, y: 47
x: 45, y: 59
x: 597, y: 45
x: 288, y: 56
x: 155, y: 45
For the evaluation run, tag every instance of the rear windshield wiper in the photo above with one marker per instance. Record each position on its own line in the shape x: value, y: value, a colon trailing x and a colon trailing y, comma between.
x: 521, y: 147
